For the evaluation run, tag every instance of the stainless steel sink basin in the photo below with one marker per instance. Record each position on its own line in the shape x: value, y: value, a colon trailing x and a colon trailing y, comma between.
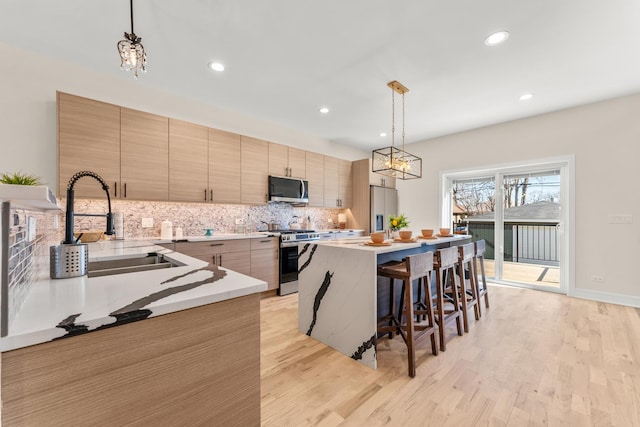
x: 133, y: 264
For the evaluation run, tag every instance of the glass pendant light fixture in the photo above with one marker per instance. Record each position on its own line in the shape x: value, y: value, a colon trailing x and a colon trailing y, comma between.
x: 392, y: 161
x: 132, y: 54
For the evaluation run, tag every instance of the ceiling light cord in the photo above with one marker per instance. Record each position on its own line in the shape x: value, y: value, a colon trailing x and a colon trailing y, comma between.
x: 131, y: 9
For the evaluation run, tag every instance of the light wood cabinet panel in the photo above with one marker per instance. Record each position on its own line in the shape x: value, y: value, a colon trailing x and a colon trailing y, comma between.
x: 314, y: 163
x: 345, y: 191
x: 199, y: 366
x: 331, y: 181
x: 264, y: 261
x: 144, y: 148
x: 278, y: 159
x: 224, y: 166
x: 88, y: 139
x: 254, y: 155
x: 297, y: 160
x: 237, y: 261
x: 188, y: 164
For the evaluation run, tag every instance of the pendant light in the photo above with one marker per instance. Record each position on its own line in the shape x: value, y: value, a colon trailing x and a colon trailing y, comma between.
x: 132, y: 54
x: 392, y: 161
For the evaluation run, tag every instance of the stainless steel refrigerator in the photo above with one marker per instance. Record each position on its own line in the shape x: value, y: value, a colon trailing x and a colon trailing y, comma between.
x: 384, y: 203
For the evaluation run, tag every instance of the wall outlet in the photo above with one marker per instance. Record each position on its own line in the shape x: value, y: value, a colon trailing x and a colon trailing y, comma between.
x: 597, y: 279
x: 147, y: 222
x: 621, y: 219
x: 239, y: 221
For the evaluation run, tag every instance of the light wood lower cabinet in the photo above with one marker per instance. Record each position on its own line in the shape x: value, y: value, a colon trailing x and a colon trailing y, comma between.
x: 232, y: 254
x: 256, y: 257
x: 264, y: 261
x: 199, y: 366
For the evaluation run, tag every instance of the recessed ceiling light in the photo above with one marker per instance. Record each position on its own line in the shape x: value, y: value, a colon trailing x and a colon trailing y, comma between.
x: 216, y: 66
x: 526, y: 96
x: 324, y: 110
x: 496, y: 38
x: 383, y: 134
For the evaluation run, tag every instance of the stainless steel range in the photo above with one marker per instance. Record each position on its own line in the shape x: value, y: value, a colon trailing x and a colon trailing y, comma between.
x: 289, y: 241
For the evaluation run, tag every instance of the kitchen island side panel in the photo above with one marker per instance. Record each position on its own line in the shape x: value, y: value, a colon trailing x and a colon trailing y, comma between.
x: 199, y: 366
x: 337, y: 299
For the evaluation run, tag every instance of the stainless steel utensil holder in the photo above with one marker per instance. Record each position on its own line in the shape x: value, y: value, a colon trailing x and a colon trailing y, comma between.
x: 68, y: 260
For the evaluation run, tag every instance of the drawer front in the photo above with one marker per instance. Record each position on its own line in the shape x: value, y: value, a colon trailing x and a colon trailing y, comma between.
x: 213, y: 246
x: 264, y: 243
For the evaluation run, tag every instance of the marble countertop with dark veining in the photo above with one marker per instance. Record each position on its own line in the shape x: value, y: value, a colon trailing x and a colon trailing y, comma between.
x: 59, y: 308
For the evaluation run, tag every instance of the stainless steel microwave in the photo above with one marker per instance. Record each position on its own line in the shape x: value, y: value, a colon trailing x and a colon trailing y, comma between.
x: 289, y: 190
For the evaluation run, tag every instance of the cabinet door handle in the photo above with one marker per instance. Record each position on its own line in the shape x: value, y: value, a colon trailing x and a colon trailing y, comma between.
x: 220, y: 260
x: 115, y: 189
x: 213, y: 260
x: 205, y: 194
x: 125, y: 190
x: 265, y: 241
x: 216, y: 244
x: 211, y: 195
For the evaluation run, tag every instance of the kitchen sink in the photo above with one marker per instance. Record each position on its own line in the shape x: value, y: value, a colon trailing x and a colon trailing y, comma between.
x: 133, y: 264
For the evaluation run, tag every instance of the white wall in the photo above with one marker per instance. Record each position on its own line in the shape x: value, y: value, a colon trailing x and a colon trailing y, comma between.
x: 605, y: 139
x: 28, y: 85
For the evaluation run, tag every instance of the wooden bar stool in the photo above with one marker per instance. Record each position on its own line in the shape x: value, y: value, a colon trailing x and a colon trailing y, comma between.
x: 468, y: 279
x: 415, y: 267
x: 446, y: 278
x: 481, y: 278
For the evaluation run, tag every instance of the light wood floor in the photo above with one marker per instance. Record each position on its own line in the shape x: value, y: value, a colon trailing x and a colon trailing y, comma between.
x: 534, y: 359
x: 533, y: 274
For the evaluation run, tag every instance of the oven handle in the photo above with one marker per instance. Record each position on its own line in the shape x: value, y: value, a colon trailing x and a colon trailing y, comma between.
x: 290, y: 244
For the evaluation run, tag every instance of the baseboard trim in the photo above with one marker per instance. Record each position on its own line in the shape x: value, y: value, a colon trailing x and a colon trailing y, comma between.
x: 620, y: 299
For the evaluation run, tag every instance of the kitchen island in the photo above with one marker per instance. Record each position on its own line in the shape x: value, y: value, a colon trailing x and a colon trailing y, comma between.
x: 171, y: 346
x: 338, y: 290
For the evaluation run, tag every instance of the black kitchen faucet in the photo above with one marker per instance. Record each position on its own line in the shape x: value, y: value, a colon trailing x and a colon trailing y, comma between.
x: 68, y: 235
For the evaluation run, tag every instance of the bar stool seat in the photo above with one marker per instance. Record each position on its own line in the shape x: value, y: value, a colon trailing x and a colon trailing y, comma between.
x: 447, y: 286
x: 405, y: 320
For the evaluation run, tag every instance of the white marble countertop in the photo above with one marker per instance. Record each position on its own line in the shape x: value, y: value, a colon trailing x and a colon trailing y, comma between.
x: 360, y: 243
x: 58, y: 307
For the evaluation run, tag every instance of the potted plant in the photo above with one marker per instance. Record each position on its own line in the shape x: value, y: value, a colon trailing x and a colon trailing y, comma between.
x: 396, y: 223
x: 19, y: 178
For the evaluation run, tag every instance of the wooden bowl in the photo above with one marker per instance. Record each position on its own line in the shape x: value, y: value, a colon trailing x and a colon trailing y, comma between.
x: 427, y: 232
x: 445, y: 231
x: 405, y: 234
x: 377, y: 237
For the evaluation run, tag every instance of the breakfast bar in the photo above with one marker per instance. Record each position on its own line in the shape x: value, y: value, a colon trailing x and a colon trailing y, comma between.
x: 338, y: 290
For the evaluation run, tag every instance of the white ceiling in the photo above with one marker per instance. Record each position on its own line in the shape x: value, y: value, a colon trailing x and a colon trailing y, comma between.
x: 286, y: 58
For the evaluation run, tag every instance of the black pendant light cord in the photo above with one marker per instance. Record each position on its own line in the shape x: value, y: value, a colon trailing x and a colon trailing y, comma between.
x: 131, y: 9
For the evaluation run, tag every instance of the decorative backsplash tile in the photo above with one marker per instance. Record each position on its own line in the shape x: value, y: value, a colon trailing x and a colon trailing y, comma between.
x: 30, y: 233
x: 195, y: 218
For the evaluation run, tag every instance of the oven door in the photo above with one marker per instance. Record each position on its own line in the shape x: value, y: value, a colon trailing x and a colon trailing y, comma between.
x: 288, y: 268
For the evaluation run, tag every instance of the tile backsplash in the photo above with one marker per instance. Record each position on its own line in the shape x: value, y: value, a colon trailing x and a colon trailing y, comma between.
x: 195, y: 218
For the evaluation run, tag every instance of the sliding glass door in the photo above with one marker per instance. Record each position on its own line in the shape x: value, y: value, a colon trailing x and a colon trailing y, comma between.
x: 518, y: 211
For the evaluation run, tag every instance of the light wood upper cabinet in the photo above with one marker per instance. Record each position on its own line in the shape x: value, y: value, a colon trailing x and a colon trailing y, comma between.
x: 331, y: 182
x: 286, y: 161
x: 224, y: 167
x: 144, y: 155
x: 278, y: 159
x: 337, y: 183
x: 345, y: 184
x: 315, y: 175
x: 188, y: 165
x: 88, y: 139
x: 254, y: 156
x: 297, y: 163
